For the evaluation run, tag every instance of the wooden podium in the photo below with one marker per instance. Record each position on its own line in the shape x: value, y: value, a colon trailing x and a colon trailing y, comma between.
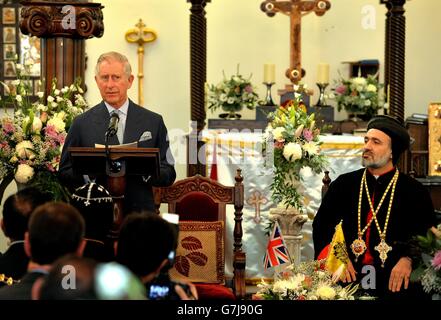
x: 116, y: 163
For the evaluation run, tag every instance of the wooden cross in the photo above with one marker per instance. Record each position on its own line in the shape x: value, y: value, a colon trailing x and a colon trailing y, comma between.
x: 295, y: 9
x: 140, y: 35
x: 256, y: 200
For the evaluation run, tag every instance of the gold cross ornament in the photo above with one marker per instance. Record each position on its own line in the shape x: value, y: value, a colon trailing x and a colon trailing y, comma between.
x: 383, y: 248
x: 140, y: 35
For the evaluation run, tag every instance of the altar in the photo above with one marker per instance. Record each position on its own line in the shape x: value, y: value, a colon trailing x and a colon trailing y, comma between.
x: 242, y: 150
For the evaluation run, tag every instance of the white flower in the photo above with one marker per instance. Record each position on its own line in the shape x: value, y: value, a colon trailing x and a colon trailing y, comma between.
x: 41, y: 107
x: 50, y: 99
x: 299, y: 131
x: 19, y: 67
x: 371, y: 88
x: 64, y: 90
x: 311, y: 147
x: 40, y: 94
x: 326, y: 292
x: 278, y: 133
x: 59, y: 99
x: 15, y: 82
x: 36, y: 125
x: 230, y: 100
x: 18, y: 98
x: 359, y: 81
x: 80, y: 90
x: 24, y: 150
x: 56, y: 92
x: 24, y: 173
x: 367, y: 103
x: 60, y: 115
x: 292, y: 151
x: 58, y: 124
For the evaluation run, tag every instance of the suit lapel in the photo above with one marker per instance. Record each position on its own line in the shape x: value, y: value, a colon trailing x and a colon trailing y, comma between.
x: 133, y: 123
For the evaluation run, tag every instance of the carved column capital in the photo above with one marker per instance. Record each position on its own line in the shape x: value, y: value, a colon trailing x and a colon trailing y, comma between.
x: 67, y: 19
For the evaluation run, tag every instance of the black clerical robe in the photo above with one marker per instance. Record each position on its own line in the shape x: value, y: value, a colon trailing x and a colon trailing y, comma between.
x: 412, y: 213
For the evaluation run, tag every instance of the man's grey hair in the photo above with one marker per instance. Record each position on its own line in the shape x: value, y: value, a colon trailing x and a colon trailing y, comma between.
x: 112, y: 55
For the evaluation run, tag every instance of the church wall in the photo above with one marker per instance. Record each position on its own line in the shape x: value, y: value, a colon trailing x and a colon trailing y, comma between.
x: 239, y: 33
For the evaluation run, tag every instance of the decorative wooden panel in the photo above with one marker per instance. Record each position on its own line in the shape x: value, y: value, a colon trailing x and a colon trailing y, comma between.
x: 435, y: 139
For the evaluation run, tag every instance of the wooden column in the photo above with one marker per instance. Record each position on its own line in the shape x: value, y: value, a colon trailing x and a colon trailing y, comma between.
x: 395, y: 56
x: 63, y: 27
x: 198, y: 78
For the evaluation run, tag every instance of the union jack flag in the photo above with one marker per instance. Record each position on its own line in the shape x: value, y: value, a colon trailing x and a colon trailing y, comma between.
x: 276, y: 251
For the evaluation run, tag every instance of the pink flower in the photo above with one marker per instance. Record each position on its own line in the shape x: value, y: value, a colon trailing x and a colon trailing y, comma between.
x: 341, y: 89
x: 308, y: 135
x: 8, y: 127
x: 249, y: 89
x: 436, y: 261
x: 51, y: 132
x: 279, y: 144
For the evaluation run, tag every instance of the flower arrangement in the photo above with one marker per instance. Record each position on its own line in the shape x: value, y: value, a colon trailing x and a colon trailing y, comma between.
x: 307, y: 281
x: 428, y: 261
x: 358, y: 95
x: 32, y: 135
x: 232, y: 94
x: 294, y: 138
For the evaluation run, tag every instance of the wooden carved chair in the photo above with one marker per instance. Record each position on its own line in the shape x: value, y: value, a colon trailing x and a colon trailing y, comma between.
x: 200, y: 198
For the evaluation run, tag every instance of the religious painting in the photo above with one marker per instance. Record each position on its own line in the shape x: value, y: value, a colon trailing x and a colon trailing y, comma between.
x: 8, y: 15
x: 8, y: 35
x: 435, y: 139
x: 9, y: 52
x: 11, y: 87
x: 30, y: 55
x: 9, y: 69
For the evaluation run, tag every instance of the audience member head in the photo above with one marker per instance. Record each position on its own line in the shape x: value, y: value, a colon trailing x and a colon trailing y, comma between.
x: 17, y: 210
x: 71, y: 278
x: 145, y: 242
x: 55, y: 229
x: 95, y: 204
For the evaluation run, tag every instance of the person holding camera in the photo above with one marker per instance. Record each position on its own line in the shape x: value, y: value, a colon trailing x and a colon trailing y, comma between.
x: 146, y: 246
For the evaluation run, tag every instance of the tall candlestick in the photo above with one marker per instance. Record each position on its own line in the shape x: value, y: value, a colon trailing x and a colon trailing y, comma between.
x: 323, y: 73
x: 269, y: 73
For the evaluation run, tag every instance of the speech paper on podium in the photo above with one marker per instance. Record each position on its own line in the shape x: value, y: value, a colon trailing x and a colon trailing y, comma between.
x: 133, y: 144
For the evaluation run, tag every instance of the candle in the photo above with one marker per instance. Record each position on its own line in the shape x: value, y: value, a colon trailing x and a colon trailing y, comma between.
x: 269, y: 73
x: 323, y: 73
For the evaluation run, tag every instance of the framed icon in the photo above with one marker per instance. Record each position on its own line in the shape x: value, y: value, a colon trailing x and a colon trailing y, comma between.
x: 8, y: 15
x: 9, y: 52
x: 8, y: 35
x: 9, y: 69
x: 11, y: 87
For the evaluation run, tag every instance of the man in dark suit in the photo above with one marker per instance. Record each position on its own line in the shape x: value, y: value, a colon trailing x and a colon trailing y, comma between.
x: 113, y: 76
x: 55, y: 229
x: 16, y: 212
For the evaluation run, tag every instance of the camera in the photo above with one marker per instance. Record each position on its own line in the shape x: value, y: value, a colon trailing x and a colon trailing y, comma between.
x: 162, y: 288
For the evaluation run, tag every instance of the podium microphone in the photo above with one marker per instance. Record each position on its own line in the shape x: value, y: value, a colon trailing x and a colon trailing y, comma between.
x: 113, y: 125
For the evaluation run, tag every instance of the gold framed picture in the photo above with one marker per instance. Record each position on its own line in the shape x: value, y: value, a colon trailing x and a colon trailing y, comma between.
x: 8, y: 15
x: 9, y: 69
x: 435, y: 139
x: 9, y: 34
x: 9, y: 52
x: 12, y: 88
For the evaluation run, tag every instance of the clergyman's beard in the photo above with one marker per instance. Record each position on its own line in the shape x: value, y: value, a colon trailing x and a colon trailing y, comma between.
x: 375, y: 164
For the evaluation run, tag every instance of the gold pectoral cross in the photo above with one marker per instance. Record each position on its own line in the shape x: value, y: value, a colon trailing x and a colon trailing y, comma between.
x: 383, y: 248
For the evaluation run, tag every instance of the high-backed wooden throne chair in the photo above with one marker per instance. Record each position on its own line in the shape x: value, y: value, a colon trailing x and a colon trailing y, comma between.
x: 198, y: 199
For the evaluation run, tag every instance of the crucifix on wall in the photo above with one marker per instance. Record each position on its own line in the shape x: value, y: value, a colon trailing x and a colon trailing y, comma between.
x: 295, y: 9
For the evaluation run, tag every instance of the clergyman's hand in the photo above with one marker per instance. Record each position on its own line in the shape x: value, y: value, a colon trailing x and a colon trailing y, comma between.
x: 400, y: 273
x: 350, y: 273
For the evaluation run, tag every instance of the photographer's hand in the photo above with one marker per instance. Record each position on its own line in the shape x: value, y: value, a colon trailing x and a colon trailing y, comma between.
x: 184, y: 295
